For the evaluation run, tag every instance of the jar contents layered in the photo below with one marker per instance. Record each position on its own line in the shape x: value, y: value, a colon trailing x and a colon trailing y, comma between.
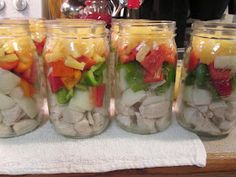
x: 75, y: 61
x: 207, y: 102
x: 20, y: 106
x: 145, y: 67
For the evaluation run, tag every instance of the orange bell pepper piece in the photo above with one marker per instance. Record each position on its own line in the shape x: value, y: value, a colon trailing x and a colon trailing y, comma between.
x: 8, y: 65
x: 60, y: 70
x: 23, y: 66
x: 27, y: 88
x: 70, y: 82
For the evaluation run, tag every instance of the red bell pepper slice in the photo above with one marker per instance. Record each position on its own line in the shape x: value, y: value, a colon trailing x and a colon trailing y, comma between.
x: 223, y: 87
x: 150, y: 78
x: 168, y: 54
x: 130, y: 57
x: 193, y: 61
x: 219, y: 74
x: 88, y: 61
x: 153, y: 62
x: 55, y: 83
x: 97, y: 94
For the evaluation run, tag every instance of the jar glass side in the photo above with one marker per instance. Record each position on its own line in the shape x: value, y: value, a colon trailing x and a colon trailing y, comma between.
x: 21, y: 101
x: 75, y: 62
x: 206, y: 103
x: 145, y: 75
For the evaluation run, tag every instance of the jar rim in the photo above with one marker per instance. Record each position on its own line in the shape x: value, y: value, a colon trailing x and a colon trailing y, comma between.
x: 221, y: 30
x: 13, y: 22
x: 154, y: 25
x: 213, y: 25
x: 74, y: 23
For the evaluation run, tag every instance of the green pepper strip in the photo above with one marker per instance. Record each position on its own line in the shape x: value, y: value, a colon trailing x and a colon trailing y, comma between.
x: 169, y: 75
x: 94, y: 76
x: 134, y: 76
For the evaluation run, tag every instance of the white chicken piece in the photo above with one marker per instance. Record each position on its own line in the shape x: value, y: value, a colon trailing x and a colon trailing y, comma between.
x: 71, y: 116
x: 227, y: 126
x: 125, y: 110
x: 163, y: 123
x: 64, y: 128
x: 152, y: 99
x: 17, y: 93
x: 218, y: 108
x: 188, y: 94
x: 124, y: 120
x: 12, y: 115
x: 201, y: 97
x: 225, y: 62
x: 230, y: 112
x: 81, y: 101
x: 156, y: 110
x: 24, y: 126
x: 6, y: 102
x: 56, y: 112
x: 8, y: 81
x: 129, y: 98
x: 28, y: 105
x: 83, y: 128
x: 145, y: 125
x: 5, y: 131
x: 193, y: 117
x: 100, y: 122
x: 90, y: 118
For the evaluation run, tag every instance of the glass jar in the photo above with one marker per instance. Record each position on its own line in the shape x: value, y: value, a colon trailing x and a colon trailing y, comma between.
x: 21, y: 101
x: 207, y: 102
x: 145, y: 69
x: 99, y: 10
x: 75, y: 62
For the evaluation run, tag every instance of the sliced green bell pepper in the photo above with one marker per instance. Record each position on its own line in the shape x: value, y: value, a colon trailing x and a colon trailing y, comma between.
x: 134, y: 76
x: 94, y: 76
x: 169, y: 75
x: 202, y: 75
x: 63, y: 95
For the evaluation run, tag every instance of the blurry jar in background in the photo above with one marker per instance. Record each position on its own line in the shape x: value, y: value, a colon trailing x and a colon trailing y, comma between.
x: 207, y: 100
x: 75, y: 60
x: 145, y: 68
x: 98, y: 10
x: 21, y: 101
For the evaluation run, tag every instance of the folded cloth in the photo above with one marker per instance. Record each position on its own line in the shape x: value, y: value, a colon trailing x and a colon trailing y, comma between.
x: 45, y: 152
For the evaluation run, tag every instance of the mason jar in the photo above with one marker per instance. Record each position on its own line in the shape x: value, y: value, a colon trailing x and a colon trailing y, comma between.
x: 75, y: 63
x: 207, y: 100
x: 145, y: 75
x: 21, y: 101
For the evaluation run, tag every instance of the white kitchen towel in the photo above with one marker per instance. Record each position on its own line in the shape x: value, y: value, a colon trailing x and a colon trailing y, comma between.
x: 45, y: 152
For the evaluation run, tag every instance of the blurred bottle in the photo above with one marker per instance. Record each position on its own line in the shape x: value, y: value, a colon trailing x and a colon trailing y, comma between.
x: 88, y: 9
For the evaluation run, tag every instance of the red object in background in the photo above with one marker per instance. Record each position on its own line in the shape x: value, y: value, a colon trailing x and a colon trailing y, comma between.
x: 133, y: 4
x: 99, y: 16
x: 98, y: 10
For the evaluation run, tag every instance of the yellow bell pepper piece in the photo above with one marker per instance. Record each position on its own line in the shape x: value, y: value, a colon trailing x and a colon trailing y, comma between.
x: 73, y: 63
x: 9, y: 58
x: 98, y: 58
